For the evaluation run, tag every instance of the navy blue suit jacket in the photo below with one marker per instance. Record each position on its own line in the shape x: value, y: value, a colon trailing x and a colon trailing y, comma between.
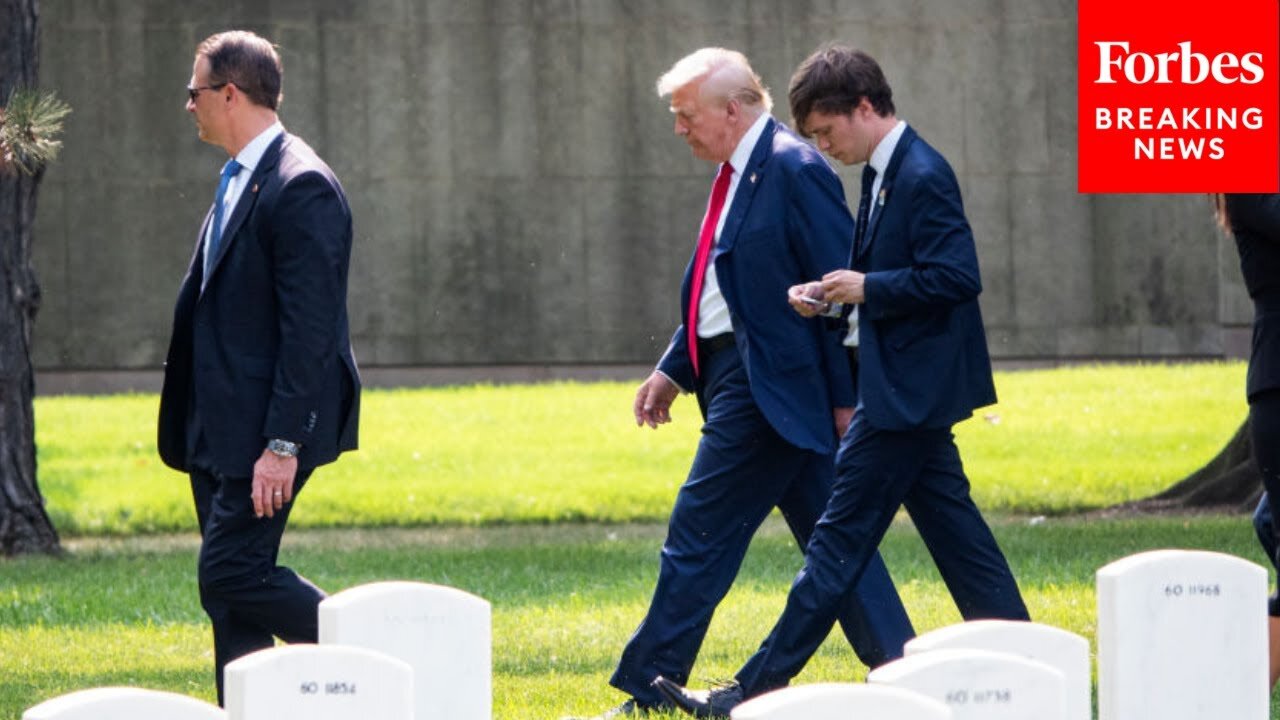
x: 263, y: 349
x: 923, y: 359
x: 788, y: 224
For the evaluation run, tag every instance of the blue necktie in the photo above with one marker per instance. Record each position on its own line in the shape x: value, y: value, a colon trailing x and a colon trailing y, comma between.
x: 215, y: 233
x: 864, y: 207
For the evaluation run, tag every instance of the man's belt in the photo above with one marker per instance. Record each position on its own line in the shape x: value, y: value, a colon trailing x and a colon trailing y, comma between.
x: 707, y: 347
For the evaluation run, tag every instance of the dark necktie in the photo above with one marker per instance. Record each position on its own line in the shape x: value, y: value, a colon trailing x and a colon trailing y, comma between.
x: 215, y: 233
x: 864, y: 208
x: 706, y: 239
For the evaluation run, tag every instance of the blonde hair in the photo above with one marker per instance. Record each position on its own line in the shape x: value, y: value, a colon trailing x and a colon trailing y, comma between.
x: 725, y: 75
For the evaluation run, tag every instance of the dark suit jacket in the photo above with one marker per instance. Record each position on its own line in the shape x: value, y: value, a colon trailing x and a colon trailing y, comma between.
x: 1255, y: 223
x: 263, y: 350
x: 788, y: 224
x: 923, y: 359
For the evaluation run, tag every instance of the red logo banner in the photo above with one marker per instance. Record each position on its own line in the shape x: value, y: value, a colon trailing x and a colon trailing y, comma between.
x: 1179, y: 96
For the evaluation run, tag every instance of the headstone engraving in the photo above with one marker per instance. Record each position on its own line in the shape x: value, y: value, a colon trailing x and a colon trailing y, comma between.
x: 1182, y: 634
x: 980, y: 684
x: 1055, y: 647
x: 318, y: 682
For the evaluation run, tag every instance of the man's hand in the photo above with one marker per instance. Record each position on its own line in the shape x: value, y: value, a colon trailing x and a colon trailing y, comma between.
x: 653, y: 400
x: 272, y: 483
x: 844, y: 416
x: 807, y: 299
x: 844, y: 286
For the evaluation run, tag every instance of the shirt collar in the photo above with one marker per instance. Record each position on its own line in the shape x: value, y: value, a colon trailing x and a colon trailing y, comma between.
x: 250, y: 155
x: 883, y: 153
x: 747, y: 145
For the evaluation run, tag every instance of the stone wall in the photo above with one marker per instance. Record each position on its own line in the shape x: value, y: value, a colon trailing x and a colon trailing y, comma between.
x: 520, y: 198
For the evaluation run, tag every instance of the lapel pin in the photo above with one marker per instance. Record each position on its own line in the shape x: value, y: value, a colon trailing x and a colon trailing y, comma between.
x: 880, y: 198
x: 255, y: 192
x: 753, y: 178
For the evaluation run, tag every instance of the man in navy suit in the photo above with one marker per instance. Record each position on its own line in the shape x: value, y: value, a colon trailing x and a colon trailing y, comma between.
x: 923, y: 366
x: 260, y: 383
x: 775, y: 388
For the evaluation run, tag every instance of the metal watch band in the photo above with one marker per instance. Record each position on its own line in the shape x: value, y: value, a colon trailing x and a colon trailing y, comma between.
x: 283, y: 448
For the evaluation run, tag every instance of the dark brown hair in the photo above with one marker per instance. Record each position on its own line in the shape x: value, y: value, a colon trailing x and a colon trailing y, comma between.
x: 247, y: 61
x: 834, y: 80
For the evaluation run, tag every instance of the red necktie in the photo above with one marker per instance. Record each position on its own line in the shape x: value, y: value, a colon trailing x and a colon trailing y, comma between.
x: 706, y: 239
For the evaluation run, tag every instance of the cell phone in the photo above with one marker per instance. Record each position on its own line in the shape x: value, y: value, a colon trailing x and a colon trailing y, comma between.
x: 810, y: 301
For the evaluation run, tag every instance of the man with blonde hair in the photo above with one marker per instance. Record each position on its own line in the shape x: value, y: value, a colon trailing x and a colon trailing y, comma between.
x: 775, y: 388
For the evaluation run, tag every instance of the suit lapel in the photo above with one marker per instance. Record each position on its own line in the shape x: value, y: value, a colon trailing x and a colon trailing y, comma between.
x: 196, y: 270
x: 248, y: 198
x: 886, y: 188
x: 876, y: 210
x: 747, y: 185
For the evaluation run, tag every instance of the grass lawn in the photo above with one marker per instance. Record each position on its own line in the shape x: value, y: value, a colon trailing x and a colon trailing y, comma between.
x: 565, y: 599
x: 548, y: 501
x: 1059, y: 441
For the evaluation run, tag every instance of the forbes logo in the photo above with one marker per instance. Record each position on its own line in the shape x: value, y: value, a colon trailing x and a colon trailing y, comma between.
x: 1193, y: 68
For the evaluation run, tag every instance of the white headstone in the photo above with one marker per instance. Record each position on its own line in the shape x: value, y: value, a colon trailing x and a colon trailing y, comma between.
x: 316, y: 682
x: 123, y: 703
x: 1055, y: 647
x: 980, y: 684
x: 841, y: 701
x: 1182, y: 634
x: 443, y: 633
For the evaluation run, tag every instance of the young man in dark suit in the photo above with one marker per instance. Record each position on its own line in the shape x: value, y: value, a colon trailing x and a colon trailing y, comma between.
x: 260, y: 383
x: 923, y: 366
x: 774, y: 387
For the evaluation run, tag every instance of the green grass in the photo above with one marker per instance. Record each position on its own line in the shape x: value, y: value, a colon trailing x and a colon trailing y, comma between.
x: 565, y: 599
x: 548, y: 501
x: 1059, y: 441
x: 1081, y: 438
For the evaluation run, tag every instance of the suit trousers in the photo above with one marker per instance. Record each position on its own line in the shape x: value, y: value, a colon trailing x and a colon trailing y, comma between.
x: 741, y: 471
x: 249, y: 598
x: 876, y: 472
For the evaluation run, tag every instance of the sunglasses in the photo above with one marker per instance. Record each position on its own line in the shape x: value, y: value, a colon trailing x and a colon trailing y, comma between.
x: 194, y: 92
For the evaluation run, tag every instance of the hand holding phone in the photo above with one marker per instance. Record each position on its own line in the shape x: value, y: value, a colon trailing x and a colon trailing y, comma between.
x: 804, y: 303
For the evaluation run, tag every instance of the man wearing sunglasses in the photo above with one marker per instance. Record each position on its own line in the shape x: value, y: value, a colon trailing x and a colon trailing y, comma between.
x: 260, y: 383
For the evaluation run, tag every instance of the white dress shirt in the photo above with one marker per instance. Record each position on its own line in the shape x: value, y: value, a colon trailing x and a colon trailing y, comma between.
x: 713, y: 312
x: 879, y: 160
x: 248, y: 157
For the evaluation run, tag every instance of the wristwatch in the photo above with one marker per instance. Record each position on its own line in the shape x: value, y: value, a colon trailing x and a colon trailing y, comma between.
x: 283, y: 448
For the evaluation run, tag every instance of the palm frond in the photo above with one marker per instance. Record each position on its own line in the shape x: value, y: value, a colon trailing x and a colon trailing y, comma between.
x: 29, y: 127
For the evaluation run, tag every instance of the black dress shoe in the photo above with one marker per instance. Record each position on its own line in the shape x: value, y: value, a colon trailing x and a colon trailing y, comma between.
x: 629, y: 709
x: 716, y: 703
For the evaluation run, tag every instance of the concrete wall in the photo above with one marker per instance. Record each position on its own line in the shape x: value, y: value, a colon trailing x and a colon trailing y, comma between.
x: 519, y: 197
